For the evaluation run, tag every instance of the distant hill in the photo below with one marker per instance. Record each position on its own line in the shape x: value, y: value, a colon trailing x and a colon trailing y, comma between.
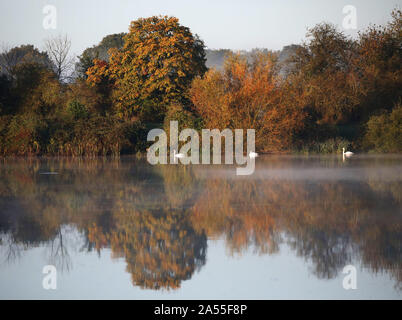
x: 216, y: 57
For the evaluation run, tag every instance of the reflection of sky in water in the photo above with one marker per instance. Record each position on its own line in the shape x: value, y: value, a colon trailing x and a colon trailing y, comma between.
x: 279, y: 276
x: 123, y: 229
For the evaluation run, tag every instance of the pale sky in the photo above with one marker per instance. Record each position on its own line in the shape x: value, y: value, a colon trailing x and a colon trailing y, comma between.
x: 232, y: 24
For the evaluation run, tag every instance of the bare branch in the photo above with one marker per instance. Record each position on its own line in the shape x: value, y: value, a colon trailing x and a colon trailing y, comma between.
x: 58, y: 49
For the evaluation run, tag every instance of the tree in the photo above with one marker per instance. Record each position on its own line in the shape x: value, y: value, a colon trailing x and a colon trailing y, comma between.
x: 100, y: 51
x: 154, y: 68
x: 37, y: 95
x: 5, y: 95
x: 36, y: 89
x: 58, y: 49
x: 323, y: 66
x: 11, y: 57
x: 248, y: 96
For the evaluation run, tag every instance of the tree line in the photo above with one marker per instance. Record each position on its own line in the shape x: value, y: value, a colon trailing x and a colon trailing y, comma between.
x: 330, y: 92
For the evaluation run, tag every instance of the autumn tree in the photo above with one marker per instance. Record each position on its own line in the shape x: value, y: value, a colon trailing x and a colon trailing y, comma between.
x: 324, y: 68
x: 36, y: 89
x: 11, y: 57
x: 384, y: 131
x: 154, y: 68
x: 37, y: 95
x: 247, y: 95
x: 100, y: 51
x: 5, y: 95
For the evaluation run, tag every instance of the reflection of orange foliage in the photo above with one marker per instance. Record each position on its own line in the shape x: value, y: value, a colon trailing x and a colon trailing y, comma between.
x: 323, y: 222
x: 96, y: 236
x: 242, y: 222
x: 160, y: 228
x: 161, y: 248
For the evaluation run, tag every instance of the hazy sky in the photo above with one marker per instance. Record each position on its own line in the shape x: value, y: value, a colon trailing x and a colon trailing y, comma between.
x: 231, y: 24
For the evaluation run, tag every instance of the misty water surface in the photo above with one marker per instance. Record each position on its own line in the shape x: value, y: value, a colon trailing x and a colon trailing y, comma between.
x: 125, y: 229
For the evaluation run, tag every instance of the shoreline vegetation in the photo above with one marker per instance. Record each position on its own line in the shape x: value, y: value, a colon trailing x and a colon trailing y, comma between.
x: 328, y: 93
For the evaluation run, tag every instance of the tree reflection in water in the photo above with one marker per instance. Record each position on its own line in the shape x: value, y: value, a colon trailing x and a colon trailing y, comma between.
x: 159, y: 218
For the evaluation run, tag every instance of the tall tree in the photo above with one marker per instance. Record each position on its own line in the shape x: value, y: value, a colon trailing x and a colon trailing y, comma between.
x: 324, y: 67
x: 155, y: 67
x: 247, y: 95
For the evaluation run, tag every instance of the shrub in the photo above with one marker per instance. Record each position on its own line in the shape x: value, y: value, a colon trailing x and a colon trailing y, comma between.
x: 77, y: 110
x: 330, y: 146
x: 384, y: 132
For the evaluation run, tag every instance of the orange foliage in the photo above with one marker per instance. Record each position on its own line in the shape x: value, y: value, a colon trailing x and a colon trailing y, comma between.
x: 98, y: 72
x: 159, y: 60
x: 248, y: 96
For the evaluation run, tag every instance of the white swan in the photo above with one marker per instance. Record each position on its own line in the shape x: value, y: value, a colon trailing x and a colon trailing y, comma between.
x: 347, y: 154
x: 177, y: 155
x: 253, y: 155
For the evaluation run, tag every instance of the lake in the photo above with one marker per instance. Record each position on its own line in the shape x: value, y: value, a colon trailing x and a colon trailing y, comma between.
x: 123, y: 229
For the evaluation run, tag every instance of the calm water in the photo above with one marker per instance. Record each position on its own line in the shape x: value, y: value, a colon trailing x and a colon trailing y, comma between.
x: 125, y: 229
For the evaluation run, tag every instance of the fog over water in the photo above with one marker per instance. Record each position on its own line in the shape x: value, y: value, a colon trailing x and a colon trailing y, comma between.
x: 121, y: 228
